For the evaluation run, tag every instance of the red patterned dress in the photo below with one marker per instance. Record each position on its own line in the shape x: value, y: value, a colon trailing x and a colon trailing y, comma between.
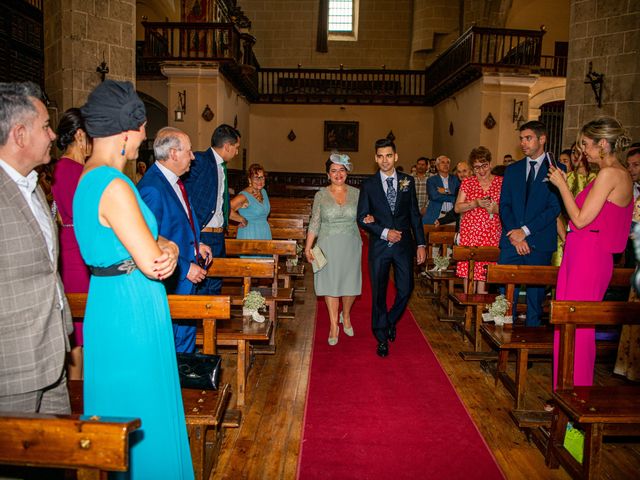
x: 477, y: 227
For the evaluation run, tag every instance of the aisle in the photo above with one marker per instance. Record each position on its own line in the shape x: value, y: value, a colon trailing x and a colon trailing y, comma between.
x: 397, y: 417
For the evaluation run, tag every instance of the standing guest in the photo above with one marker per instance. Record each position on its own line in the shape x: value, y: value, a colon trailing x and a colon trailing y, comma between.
x: 141, y: 169
x: 207, y: 185
x: 462, y: 170
x: 130, y: 361
x: 507, y: 160
x: 421, y: 178
x: 433, y: 169
x: 333, y: 223
x: 390, y: 197
x: 165, y: 195
x: 75, y: 144
x: 600, y: 218
x: 251, y: 207
x: 529, y: 207
x: 34, y: 314
x: 478, y: 202
x: 442, y: 190
x: 633, y: 165
x: 565, y: 158
x: 414, y: 170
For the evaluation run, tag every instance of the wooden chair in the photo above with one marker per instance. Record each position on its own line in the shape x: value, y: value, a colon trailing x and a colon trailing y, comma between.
x: 91, y: 445
x: 599, y: 411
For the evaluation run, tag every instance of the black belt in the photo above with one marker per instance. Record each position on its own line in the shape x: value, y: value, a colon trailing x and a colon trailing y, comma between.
x: 122, y: 268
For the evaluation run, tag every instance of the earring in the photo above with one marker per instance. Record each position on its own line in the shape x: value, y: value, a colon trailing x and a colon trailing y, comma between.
x: 124, y: 145
x: 602, y: 154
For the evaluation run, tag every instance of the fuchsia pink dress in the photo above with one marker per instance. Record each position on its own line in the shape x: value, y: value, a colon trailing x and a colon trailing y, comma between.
x: 74, y: 272
x: 585, y: 273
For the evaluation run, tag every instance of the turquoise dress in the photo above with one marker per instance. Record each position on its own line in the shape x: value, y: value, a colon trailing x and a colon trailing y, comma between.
x: 129, y: 352
x: 256, y: 214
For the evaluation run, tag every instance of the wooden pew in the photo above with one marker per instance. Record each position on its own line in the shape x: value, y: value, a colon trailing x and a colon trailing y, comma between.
x: 443, y: 282
x: 277, y: 233
x: 599, y: 411
x: 473, y: 303
x: 91, y: 445
x: 205, y: 411
x: 527, y: 340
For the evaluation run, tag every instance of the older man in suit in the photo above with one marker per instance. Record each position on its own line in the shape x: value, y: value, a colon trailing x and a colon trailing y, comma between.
x: 390, y: 198
x: 529, y: 206
x: 34, y: 314
x: 442, y: 189
x: 206, y: 184
x: 164, y: 193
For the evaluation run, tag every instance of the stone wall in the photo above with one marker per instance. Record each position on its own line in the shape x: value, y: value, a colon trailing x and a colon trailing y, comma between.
x: 286, y: 33
x: 435, y: 27
x: 605, y: 33
x: 78, y: 36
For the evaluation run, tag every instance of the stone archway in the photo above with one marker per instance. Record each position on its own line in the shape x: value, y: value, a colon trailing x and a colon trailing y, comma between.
x: 545, y: 94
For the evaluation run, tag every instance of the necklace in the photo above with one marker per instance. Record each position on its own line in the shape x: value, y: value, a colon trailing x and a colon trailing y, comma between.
x: 257, y: 194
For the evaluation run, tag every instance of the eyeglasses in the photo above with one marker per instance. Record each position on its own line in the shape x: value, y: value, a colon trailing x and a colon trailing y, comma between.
x: 259, y: 178
x: 477, y: 168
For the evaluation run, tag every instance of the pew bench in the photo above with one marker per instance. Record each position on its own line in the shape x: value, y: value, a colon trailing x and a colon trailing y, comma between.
x: 441, y: 283
x: 599, y: 411
x: 91, y: 445
x: 205, y: 411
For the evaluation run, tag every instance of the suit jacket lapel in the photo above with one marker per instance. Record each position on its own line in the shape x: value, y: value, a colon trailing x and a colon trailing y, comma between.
x: 52, y: 226
x: 171, y: 193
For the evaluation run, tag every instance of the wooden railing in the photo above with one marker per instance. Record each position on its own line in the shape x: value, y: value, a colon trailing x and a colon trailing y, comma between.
x: 553, y: 66
x: 378, y: 86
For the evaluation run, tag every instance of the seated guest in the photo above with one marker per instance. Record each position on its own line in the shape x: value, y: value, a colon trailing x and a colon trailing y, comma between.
x: 478, y: 203
x: 129, y: 353
x: 442, y: 190
x: 75, y: 144
x: 164, y: 193
x: 34, y: 314
x: 251, y: 207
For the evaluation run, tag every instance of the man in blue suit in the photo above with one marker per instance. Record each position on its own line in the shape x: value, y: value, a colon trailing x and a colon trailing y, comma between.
x: 442, y: 189
x: 529, y: 206
x: 206, y: 183
x: 390, y: 197
x: 163, y: 192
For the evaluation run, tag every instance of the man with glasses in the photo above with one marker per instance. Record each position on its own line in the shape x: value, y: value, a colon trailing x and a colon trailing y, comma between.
x: 529, y: 206
x: 208, y: 189
x: 442, y: 190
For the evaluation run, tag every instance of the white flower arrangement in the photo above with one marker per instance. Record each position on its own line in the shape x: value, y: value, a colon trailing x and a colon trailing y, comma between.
x: 404, y: 184
x: 440, y: 263
x: 497, y: 312
x: 251, y: 305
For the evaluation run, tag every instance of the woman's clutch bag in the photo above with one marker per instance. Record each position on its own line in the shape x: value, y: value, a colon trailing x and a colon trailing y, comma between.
x: 319, y: 260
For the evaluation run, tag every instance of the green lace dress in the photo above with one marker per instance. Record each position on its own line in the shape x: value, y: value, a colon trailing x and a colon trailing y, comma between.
x: 339, y: 238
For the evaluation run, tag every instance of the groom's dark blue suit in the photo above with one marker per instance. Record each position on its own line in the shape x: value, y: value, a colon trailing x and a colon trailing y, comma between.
x: 538, y: 213
x: 405, y: 218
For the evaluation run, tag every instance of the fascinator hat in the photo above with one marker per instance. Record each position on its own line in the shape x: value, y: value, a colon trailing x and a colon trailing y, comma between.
x: 341, y: 159
x: 113, y: 107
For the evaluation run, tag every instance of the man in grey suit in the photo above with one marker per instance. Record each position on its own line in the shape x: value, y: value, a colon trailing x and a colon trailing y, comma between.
x: 34, y: 314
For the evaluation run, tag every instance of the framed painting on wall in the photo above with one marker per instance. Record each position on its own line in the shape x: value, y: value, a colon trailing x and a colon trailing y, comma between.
x: 341, y: 136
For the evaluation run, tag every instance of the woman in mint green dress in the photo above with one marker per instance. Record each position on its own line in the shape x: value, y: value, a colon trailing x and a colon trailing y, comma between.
x: 130, y: 360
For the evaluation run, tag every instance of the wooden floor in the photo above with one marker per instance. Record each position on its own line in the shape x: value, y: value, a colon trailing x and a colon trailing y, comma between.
x: 267, y: 444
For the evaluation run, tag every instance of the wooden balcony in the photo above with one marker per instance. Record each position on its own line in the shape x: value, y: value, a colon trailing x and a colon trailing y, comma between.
x: 482, y: 49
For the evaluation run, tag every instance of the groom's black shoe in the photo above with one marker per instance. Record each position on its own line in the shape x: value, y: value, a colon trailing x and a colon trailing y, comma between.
x: 383, y: 349
x: 391, y: 334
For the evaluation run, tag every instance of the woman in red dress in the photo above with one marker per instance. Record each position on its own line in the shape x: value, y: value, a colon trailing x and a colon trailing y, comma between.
x: 477, y: 202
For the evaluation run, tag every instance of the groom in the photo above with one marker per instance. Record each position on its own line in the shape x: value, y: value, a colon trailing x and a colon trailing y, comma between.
x: 390, y: 197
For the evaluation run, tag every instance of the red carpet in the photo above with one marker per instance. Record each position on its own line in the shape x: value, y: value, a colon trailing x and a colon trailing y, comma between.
x: 385, y: 418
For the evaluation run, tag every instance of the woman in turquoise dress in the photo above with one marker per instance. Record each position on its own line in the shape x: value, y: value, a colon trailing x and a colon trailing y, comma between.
x: 251, y: 207
x: 130, y: 361
x: 333, y: 223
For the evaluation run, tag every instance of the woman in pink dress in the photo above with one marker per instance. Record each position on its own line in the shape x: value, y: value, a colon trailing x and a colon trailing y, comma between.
x: 600, y: 217
x: 478, y: 201
x: 76, y: 147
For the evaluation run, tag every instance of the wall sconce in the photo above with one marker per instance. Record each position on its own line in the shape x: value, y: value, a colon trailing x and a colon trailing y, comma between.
x: 207, y: 114
x: 518, y: 117
x: 182, y: 107
x: 103, y: 68
x: 596, y: 80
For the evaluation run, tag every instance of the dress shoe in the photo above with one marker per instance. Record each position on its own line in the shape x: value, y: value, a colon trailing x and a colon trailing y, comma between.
x: 391, y: 334
x: 333, y: 341
x: 347, y: 331
x: 383, y: 349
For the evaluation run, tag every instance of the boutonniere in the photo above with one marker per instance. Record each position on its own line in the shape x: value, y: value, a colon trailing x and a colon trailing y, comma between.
x: 404, y: 184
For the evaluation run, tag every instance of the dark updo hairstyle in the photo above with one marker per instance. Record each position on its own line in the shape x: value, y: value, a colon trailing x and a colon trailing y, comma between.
x: 69, y: 124
x: 253, y: 169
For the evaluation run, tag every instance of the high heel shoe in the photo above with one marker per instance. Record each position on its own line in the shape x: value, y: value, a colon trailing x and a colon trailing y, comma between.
x: 347, y: 330
x: 333, y: 341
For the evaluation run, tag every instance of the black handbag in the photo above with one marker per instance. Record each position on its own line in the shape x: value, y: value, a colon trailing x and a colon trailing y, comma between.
x: 199, y: 371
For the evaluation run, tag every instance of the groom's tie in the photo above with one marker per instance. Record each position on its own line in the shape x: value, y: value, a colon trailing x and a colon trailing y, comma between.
x: 391, y: 194
x: 530, y: 178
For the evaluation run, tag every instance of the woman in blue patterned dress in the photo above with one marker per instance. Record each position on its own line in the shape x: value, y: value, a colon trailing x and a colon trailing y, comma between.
x: 130, y: 362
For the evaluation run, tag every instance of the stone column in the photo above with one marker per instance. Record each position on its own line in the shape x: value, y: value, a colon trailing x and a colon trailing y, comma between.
x: 605, y: 33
